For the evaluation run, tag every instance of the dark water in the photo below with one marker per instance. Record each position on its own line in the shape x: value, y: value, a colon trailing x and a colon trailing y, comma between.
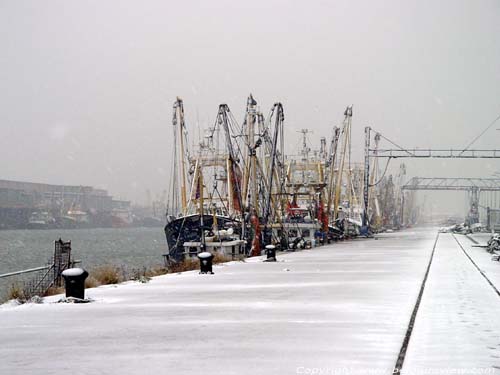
x: 127, y: 247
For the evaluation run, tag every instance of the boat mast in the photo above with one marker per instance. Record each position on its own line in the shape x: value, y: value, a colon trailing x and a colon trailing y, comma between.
x: 250, y: 181
x: 233, y: 171
x: 346, y: 134
x: 278, y: 128
x: 179, y: 119
x: 331, y: 165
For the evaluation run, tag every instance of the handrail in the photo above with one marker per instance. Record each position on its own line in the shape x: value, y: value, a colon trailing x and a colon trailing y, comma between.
x: 25, y: 271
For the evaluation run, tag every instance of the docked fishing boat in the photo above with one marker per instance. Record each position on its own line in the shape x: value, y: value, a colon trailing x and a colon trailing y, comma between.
x: 121, y: 218
x: 188, y: 235
x: 75, y: 218
x: 238, y: 192
x: 205, y: 201
x: 41, y: 220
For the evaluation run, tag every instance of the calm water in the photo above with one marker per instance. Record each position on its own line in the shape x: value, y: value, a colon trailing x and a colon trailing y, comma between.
x: 127, y: 247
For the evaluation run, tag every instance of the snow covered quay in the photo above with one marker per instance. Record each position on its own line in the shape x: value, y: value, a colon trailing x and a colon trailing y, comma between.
x: 339, y: 309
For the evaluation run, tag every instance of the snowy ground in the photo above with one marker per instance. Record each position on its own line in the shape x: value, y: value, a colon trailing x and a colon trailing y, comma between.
x: 458, y: 322
x: 482, y: 258
x: 337, y: 309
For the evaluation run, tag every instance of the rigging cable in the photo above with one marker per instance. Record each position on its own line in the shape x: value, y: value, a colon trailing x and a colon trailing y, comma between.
x: 480, y: 135
x: 395, y: 144
x: 383, y: 174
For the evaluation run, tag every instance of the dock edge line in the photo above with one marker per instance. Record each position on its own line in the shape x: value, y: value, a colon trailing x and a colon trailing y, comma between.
x: 477, y: 267
x: 402, y: 352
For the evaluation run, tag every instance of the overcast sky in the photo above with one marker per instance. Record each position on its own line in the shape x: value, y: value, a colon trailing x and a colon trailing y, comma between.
x: 86, y: 87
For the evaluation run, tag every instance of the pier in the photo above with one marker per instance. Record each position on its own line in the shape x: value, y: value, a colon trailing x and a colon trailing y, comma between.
x: 405, y: 301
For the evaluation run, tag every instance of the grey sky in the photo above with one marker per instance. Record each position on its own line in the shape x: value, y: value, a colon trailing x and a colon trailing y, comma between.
x: 87, y: 86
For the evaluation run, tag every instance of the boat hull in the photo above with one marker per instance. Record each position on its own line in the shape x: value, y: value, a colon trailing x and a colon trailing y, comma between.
x: 189, y: 229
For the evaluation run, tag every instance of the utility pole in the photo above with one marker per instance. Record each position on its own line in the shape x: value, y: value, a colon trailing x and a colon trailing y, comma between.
x: 366, y: 179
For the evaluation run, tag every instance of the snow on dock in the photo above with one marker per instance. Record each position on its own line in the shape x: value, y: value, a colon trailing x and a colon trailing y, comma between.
x: 458, y: 323
x: 343, y: 308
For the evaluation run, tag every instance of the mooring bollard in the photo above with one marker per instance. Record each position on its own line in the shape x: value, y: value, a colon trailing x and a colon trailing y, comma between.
x: 74, y: 280
x: 271, y: 253
x: 206, y: 259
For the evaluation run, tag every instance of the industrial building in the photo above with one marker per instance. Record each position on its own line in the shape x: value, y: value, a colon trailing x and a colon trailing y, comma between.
x: 28, y: 204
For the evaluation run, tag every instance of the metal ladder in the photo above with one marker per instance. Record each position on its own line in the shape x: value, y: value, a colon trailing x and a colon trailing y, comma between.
x: 51, y: 276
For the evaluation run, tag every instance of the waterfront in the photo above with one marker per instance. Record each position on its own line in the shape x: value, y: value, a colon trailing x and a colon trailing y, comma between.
x: 127, y: 247
x: 343, y: 308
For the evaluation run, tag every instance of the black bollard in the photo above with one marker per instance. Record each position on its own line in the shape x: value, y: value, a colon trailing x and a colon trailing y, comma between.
x: 271, y: 253
x: 206, y: 259
x: 74, y: 280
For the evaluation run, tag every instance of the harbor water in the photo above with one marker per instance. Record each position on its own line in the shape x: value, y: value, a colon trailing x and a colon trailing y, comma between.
x: 128, y: 248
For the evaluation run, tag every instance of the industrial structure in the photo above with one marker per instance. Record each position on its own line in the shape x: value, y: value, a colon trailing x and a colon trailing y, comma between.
x: 473, y: 185
x: 40, y: 206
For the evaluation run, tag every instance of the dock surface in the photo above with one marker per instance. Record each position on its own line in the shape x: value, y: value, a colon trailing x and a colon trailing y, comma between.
x: 344, y: 308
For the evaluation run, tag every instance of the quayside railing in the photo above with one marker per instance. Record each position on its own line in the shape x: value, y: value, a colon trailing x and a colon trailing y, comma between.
x: 49, y: 276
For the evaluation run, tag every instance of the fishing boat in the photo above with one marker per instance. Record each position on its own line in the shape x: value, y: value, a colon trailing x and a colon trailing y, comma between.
x: 187, y: 235
x: 41, y: 220
x: 205, y: 208
x: 237, y: 191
